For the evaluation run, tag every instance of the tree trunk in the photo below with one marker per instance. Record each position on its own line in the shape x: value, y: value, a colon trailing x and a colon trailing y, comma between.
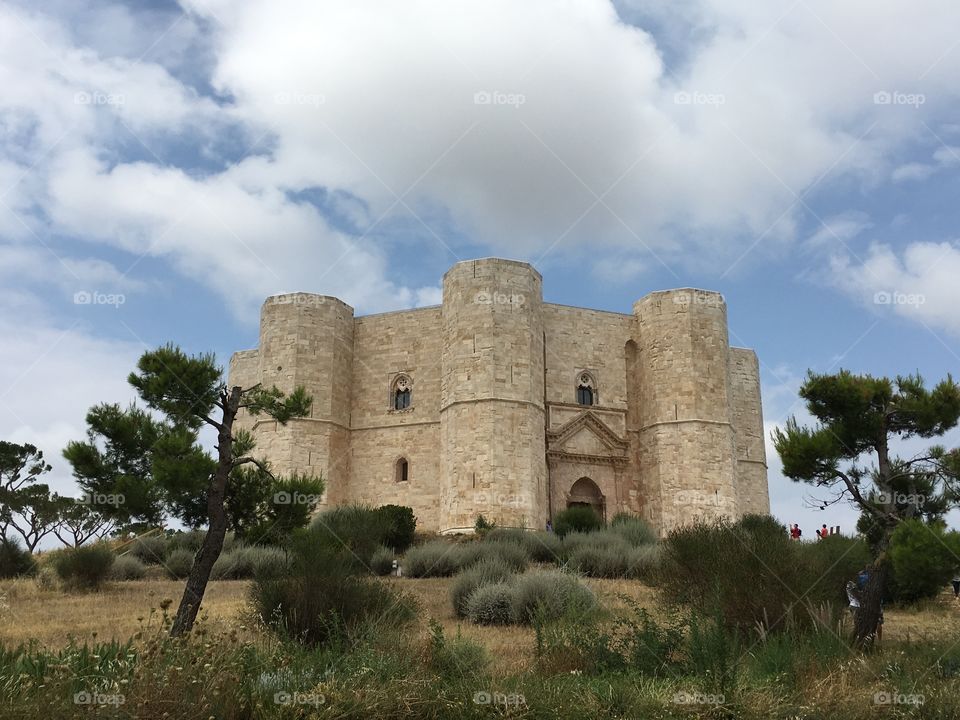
x: 867, y: 618
x: 217, y: 523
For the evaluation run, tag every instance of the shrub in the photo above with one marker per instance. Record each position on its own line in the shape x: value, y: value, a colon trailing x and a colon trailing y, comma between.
x: 485, y: 572
x: 127, y: 567
x: 231, y: 565
x: 611, y: 561
x: 437, y: 558
x: 713, y: 654
x: 600, y: 540
x: 179, y: 563
x: 150, y: 550
x: 15, y: 560
x: 923, y: 557
x: 549, y: 594
x: 830, y: 563
x: 753, y: 574
x: 482, y: 525
x: 401, y: 526
x: 579, y: 518
x: 356, y: 528
x: 190, y: 540
x: 323, y: 600
x: 46, y: 578
x: 632, y: 529
x: 382, y: 561
x: 85, y: 567
x: 543, y: 546
x: 266, y: 561
x: 491, y: 605
x: 510, y: 553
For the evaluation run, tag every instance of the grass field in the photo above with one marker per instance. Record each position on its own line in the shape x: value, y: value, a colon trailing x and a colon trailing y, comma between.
x: 122, y: 609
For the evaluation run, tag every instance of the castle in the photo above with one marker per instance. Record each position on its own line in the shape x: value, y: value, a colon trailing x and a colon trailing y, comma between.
x: 497, y: 403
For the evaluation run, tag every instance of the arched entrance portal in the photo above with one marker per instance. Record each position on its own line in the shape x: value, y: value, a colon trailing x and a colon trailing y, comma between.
x: 586, y: 493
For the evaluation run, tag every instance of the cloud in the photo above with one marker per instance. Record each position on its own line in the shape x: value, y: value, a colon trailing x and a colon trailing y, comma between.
x: 919, y: 283
x: 944, y: 157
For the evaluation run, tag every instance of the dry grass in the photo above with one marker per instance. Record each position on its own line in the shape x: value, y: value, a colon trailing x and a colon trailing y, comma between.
x: 120, y: 610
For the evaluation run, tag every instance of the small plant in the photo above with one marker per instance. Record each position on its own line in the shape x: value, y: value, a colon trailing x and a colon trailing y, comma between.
x: 579, y: 518
x: 15, y: 560
x: 544, y: 547
x: 401, y: 525
x: 127, y: 567
x: 382, y: 561
x: 483, y: 526
x: 85, y: 567
x: 179, y: 563
x: 149, y: 550
x: 632, y: 529
x: 510, y: 553
x: 491, y: 605
x: 485, y: 572
x: 458, y: 658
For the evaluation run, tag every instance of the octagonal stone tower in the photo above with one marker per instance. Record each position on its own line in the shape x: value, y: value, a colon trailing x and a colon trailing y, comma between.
x: 492, y: 441
x: 687, y: 442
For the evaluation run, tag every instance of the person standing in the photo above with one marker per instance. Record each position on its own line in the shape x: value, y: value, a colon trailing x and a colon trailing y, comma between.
x: 956, y: 583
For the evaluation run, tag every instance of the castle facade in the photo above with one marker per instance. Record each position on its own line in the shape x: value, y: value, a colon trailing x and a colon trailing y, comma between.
x: 496, y: 403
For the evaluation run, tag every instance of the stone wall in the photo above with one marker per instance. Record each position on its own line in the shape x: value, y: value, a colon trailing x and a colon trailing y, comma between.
x: 747, y: 416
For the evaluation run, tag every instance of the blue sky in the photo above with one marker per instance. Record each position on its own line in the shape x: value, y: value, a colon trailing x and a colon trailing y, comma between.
x: 800, y: 157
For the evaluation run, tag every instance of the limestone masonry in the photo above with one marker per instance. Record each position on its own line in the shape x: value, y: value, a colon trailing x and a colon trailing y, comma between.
x: 497, y: 403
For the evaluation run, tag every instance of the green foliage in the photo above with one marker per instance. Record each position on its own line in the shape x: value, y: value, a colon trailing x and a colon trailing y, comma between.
x: 544, y: 547
x: 437, y: 558
x: 578, y: 518
x: 265, y: 510
x: 382, y: 561
x: 358, y: 529
x: 456, y: 658
x: 634, y: 530
x: 485, y: 572
x: 324, y: 599
x: 127, y: 567
x: 179, y: 563
x: 491, y: 604
x: 923, y: 558
x: 830, y: 564
x: 713, y: 654
x: 15, y: 560
x: 482, y: 525
x: 27, y: 507
x: 86, y: 567
x: 401, y: 524
x: 750, y: 574
x: 178, y: 385
x: 548, y: 595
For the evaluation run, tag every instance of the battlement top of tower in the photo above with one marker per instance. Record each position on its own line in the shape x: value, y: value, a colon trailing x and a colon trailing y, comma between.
x: 305, y: 299
x: 491, y: 262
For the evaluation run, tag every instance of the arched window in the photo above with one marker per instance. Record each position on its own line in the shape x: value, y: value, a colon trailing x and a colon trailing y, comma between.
x: 401, y: 393
x: 403, y: 470
x: 586, y: 389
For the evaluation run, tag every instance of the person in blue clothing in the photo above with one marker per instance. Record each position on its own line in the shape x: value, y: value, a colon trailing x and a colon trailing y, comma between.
x: 863, y: 577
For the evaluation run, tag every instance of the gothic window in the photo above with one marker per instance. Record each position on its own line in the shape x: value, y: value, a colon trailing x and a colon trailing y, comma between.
x: 403, y: 470
x: 401, y: 393
x: 586, y: 389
